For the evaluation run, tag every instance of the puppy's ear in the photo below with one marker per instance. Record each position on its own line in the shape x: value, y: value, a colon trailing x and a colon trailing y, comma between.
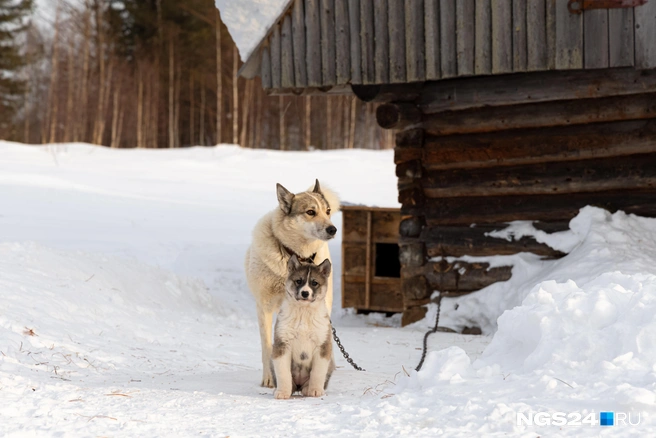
x: 325, y: 267
x: 285, y: 199
x: 317, y: 188
x: 293, y: 263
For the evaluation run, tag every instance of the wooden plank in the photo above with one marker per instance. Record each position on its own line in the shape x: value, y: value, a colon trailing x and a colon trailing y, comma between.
x: 313, y: 42
x: 343, y: 47
x: 519, y: 35
x: 594, y: 175
x: 465, y: 36
x: 595, y: 38
x: 645, y: 35
x: 354, y: 259
x: 458, y: 241
x: 396, y: 32
x: 502, y: 36
x: 481, y: 210
x: 385, y: 296
x: 569, y: 38
x: 265, y: 69
x: 328, y: 43
x: 414, y: 41
x: 483, y: 38
x: 381, y: 35
x: 368, y: 270
x: 354, y: 226
x: 354, y: 32
x: 432, y: 35
x: 298, y: 32
x: 287, y: 53
x: 621, y: 45
x: 457, y: 94
x: 541, y: 115
x: 536, y: 35
x: 551, y: 33
x: 276, y: 58
x: 448, y: 62
x: 533, y: 146
x: 385, y: 226
x: 367, y: 41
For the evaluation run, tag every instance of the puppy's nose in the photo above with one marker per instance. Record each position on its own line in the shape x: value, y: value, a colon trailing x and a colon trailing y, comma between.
x: 305, y: 294
x: 331, y: 230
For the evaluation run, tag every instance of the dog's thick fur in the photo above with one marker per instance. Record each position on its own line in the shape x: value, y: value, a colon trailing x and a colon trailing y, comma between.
x: 290, y: 227
x: 302, y: 357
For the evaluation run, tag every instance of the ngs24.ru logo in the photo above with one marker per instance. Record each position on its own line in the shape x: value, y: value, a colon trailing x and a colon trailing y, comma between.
x: 606, y: 418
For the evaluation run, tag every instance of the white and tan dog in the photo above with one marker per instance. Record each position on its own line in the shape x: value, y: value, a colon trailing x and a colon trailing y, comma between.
x: 301, y: 226
x: 302, y: 357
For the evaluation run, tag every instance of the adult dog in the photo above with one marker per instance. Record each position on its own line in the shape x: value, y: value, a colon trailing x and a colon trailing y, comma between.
x: 301, y: 226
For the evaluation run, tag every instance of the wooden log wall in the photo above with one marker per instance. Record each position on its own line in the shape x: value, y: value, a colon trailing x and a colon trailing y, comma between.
x: 323, y: 43
x: 470, y: 163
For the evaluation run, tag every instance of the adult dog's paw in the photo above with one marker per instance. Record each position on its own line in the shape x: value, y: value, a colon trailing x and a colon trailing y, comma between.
x: 312, y: 392
x: 267, y: 381
x: 281, y: 395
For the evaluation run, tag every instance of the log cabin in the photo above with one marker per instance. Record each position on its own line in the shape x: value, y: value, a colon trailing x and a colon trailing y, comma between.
x: 503, y: 110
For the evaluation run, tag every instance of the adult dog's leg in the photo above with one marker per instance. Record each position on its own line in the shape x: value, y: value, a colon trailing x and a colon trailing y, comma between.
x: 329, y: 295
x: 265, y: 320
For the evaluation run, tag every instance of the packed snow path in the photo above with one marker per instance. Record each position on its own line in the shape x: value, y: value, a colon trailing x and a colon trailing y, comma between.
x: 124, y: 310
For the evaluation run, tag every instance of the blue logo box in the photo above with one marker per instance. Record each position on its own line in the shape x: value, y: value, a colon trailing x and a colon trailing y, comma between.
x: 607, y: 418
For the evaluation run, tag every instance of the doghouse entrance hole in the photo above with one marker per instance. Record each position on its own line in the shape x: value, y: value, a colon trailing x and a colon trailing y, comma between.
x: 387, y: 260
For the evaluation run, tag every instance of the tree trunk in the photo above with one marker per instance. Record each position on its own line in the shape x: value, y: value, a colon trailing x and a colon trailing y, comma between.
x: 192, y: 110
x: 202, y: 115
x: 171, y: 94
x: 281, y: 122
x: 354, y: 102
x: 308, y: 122
x: 51, y: 119
x: 140, y: 108
x: 83, y: 101
x: 70, y: 93
x: 246, y: 110
x: 235, y: 96
x: 219, y: 81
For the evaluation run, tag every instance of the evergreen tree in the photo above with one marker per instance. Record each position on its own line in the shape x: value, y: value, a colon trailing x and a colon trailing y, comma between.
x: 13, y: 23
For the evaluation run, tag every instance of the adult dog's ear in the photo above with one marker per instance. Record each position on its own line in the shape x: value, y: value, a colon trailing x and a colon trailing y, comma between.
x: 293, y: 263
x: 317, y: 188
x: 285, y: 199
x: 325, y: 267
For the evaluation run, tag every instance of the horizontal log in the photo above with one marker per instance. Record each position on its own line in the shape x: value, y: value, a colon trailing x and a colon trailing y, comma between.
x: 397, y: 115
x: 413, y: 314
x: 596, y: 175
x: 409, y: 169
x: 411, y: 227
x: 414, y: 287
x: 413, y: 254
x: 545, y: 114
x: 530, y: 146
x: 457, y: 276
x: 487, y: 209
x: 454, y: 241
x: 499, y: 90
x: 410, y: 138
x: 388, y: 92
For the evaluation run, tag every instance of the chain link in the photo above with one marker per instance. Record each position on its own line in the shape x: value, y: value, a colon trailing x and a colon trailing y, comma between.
x: 428, y: 333
x: 344, y: 353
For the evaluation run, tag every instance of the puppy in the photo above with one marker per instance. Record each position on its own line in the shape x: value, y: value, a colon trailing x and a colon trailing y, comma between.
x: 302, y: 358
x: 301, y: 226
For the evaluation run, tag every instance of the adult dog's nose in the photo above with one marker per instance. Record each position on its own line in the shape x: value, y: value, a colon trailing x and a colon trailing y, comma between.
x: 305, y: 294
x: 331, y: 230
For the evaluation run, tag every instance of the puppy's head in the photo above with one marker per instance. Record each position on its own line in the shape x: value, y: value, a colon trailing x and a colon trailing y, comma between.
x: 308, y: 212
x: 307, y: 282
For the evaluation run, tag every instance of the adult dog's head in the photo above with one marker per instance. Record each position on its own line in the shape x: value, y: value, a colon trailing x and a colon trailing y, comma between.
x: 309, y: 213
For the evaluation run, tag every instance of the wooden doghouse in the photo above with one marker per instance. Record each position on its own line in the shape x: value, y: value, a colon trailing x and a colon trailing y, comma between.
x: 371, y: 272
x: 507, y: 110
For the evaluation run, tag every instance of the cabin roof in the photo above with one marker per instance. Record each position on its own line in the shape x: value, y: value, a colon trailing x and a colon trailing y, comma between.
x: 332, y: 44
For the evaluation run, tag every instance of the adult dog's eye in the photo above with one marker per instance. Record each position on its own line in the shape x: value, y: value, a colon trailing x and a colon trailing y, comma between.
x: 328, y: 212
x: 310, y: 212
x: 299, y: 282
x: 314, y: 283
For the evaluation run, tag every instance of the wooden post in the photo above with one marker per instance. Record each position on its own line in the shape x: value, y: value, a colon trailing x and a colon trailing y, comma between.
x: 368, y: 267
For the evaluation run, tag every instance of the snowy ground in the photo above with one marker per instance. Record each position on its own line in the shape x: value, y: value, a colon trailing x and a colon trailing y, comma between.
x: 124, y: 311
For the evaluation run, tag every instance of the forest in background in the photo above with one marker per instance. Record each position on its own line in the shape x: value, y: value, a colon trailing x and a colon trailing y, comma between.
x: 162, y: 73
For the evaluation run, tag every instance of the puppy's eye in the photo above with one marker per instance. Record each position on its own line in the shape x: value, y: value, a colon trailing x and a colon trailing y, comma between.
x: 310, y: 212
x: 328, y: 212
x: 299, y: 282
x: 314, y: 283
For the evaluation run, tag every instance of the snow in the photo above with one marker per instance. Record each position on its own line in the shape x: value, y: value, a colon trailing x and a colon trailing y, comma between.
x: 124, y: 310
x: 248, y: 21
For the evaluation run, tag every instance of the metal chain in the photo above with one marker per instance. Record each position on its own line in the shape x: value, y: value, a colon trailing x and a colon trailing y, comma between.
x: 430, y: 332
x: 344, y: 353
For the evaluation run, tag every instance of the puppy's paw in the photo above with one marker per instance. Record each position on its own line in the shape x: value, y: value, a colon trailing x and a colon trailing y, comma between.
x: 312, y: 392
x: 281, y: 395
